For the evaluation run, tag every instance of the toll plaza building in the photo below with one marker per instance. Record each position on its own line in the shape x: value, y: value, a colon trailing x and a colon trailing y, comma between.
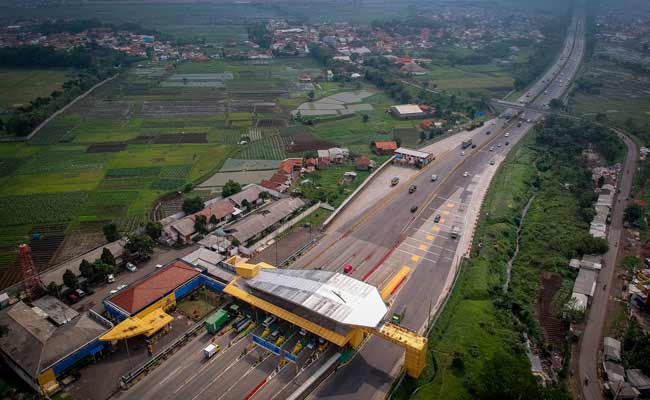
x: 412, y: 158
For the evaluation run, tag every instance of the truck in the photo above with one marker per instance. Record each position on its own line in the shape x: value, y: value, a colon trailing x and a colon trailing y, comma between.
x: 455, y: 232
x: 467, y: 143
x: 211, y: 350
x: 243, y: 324
x: 398, y: 315
x: 216, y: 321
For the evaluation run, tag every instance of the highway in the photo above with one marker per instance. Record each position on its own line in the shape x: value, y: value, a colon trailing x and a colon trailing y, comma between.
x: 377, y: 234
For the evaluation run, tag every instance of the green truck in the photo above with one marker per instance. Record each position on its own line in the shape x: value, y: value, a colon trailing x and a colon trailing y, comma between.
x: 216, y: 321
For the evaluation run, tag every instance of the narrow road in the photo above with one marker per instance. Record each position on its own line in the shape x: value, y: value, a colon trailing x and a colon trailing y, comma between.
x: 591, y: 341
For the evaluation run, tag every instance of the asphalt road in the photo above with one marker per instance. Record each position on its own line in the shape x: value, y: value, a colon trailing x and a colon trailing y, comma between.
x: 377, y: 238
x: 593, y: 334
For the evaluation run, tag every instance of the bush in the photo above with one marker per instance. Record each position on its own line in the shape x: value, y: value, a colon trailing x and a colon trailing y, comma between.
x: 153, y: 229
x: 110, y: 232
x: 192, y: 205
x: 231, y: 187
x: 69, y: 279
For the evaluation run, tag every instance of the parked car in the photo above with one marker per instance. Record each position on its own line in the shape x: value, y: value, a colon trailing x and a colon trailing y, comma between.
x: 491, y: 162
x: 434, y: 178
x: 414, y: 209
x: 80, y: 293
x: 466, y: 174
x: 110, y: 278
x: 347, y: 269
x: 131, y: 267
x: 158, y: 266
x: 437, y: 218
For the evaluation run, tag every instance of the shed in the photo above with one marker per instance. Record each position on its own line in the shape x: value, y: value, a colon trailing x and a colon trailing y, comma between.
x: 585, y: 282
x: 639, y: 380
x: 615, y: 372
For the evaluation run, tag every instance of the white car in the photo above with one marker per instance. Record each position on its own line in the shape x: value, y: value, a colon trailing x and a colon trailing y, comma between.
x: 131, y: 267
x: 113, y: 291
x: 462, y: 153
x: 491, y: 162
x: 492, y: 148
x: 120, y: 287
x: 465, y: 174
x: 158, y: 266
x: 434, y: 178
x: 507, y: 134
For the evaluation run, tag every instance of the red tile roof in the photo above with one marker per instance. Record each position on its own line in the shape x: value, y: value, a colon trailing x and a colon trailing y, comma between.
x: 279, y: 178
x: 269, y: 185
x: 157, y: 285
x: 287, y: 166
x: 390, y: 145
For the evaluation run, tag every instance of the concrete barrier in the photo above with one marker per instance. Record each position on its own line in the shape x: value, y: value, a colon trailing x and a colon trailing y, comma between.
x: 356, y: 192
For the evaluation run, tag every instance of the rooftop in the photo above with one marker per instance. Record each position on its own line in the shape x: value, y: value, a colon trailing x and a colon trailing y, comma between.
x: 251, y: 193
x: 406, y: 109
x: 585, y: 282
x: 153, y: 287
x: 388, y: 145
x: 335, y: 296
x: 412, y: 153
x: 34, y: 343
x: 263, y: 218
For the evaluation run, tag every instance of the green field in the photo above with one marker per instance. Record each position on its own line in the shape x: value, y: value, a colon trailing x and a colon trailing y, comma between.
x: 20, y: 86
x: 464, y: 78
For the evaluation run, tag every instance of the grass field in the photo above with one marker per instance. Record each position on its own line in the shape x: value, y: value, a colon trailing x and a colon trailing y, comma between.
x: 463, y: 78
x: 20, y: 86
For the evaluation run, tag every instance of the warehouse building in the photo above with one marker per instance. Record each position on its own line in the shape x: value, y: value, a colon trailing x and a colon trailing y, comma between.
x: 411, y: 111
x: 44, y: 340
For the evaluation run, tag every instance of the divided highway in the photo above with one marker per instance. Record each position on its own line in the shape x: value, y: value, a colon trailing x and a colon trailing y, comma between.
x: 377, y: 234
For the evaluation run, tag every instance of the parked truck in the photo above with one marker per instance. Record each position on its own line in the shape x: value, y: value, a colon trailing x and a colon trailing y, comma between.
x: 467, y: 143
x: 216, y: 321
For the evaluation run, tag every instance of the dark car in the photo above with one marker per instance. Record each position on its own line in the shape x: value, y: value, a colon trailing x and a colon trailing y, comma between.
x: 488, y: 132
x: 414, y: 209
x: 436, y: 218
x: 412, y: 188
x: 507, y: 143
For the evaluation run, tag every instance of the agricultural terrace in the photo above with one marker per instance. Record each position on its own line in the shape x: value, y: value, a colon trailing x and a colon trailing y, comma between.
x: 20, y: 86
x: 113, y: 154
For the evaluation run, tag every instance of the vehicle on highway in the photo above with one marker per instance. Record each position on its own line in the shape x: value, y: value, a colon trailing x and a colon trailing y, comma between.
x: 491, y: 162
x: 508, y: 133
x: 414, y: 209
x: 488, y: 132
x: 347, y: 269
x: 465, y: 174
x: 158, y: 266
x: 498, y: 144
x: 473, y: 146
x: 507, y: 143
x: 455, y: 232
x: 394, y: 181
x: 398, y: 315
x: 462, y: 153
x: 412, y: 188
x: 491, y: 148
x: 437, y: 218
x: 131, y: 267
x: 434, y: 178
x: 466, y: 143
x: 211, y: 350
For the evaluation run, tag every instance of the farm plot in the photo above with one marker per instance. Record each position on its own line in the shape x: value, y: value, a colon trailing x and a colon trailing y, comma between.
x: 305, y: 141
x: 234, y: 164
x: 47, y: 244
x: 271, y: 123
x: 268, y: 148
x: 219, y: 179
x: 198, y: 80
x: 10, y: 165
x: 107, y: 204
x: 102, y: 109
x: 108, y: 147
x: 83, y: 238
x: 343, y: 103
x: 182, y: 108
x: 168, y: 205
x: 40, y: 208
x: 177, y: 138
x: 55, y: 131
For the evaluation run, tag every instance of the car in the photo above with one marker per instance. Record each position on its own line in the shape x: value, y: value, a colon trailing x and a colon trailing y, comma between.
x: 473, y: 146
x: 508, y: 133
x: 120, y: 287
x: 158, y: 266
x: 507, y: 143
x: 347, y: 269
x: 113, y: 291
x: 434, y: 178
x: 491, y: 162
x: 394, y: 181
x: 462, y: 153
x: 110, y: 278
x: 80, y: 293
x: 498, y: 144
x: 437, y: 218
x: 414, y: 209
x: 465, y: 174
x: 491, y: 148
x: 131, y: 267
x: 412, y: 188
x: 488, y: 132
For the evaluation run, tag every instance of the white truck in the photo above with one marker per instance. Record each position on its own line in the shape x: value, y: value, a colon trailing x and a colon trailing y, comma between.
x: 211, y: 350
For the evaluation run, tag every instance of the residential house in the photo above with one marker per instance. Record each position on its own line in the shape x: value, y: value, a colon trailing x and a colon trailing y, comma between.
x: 385, y: 148
x: 363, y: 163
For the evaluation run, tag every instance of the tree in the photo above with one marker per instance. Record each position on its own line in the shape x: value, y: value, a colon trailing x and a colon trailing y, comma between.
x: 101, y: 269
x: 188, y: 188
x: 139, y: 245
x: 311, y: 95
x: 200, y: 224
x: 69, y: 279
x: 365, y: 117
x: 153, y: 229
x: 86, y: 269
x: 592, y: 245
x: 264, y: 195
x: 556, y: 104
x: 231, y: 187
x: 506, y: 377
x: 110, y: 232
x: 53, y: 289
x: 246, y: 204
x: 236, y: 242
x: 633, y: 213
x: 213, y: 219
x: 192, y: 205
x: 630, y: 263
x: 107, y: 257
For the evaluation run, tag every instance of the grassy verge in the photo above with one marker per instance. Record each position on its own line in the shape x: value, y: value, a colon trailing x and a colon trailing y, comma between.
x: 476, y: 347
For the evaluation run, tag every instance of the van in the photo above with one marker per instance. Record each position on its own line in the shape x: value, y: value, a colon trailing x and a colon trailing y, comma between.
x: 211, y: 350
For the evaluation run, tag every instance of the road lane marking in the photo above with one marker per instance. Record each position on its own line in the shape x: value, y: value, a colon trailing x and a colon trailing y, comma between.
x: 450, y: 205
x: 414, y: 258
x: 429, y: 237
x: 445, y: 212
x: 442, y: 220
x: 435, y: 229
x: 424, y: 247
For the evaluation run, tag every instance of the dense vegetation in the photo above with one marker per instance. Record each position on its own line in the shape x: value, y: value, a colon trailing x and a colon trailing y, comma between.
x: 476, y: 346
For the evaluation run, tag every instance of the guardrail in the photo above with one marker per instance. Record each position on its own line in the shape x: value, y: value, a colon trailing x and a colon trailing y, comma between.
x: 127, y: 379
x: 356, y: 192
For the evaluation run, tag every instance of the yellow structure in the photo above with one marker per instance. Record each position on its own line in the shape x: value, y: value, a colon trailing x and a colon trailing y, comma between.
x: 394, y: 282
x: 415, y: 345
x: 148, y: 324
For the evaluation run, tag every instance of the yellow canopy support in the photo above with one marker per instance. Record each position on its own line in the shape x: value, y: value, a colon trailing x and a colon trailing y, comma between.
x: 416, y: 346
x: 146, y: 325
